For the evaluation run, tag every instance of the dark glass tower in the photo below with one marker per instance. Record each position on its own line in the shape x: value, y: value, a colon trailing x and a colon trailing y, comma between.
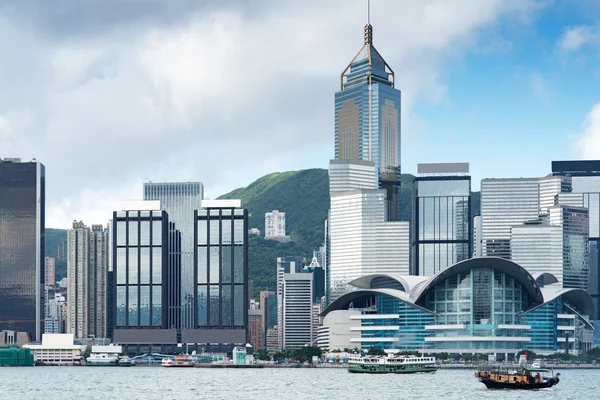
x: 220, y: 275
x: 442, y: 232
x: 146, y: 280
x: 22, y: 214
x: 367, y: 119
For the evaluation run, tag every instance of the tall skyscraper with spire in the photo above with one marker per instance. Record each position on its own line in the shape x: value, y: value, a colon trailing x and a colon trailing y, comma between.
x: 367, y: 119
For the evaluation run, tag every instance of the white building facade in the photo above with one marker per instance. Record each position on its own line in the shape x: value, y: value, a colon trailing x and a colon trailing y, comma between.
x: 361, y: 241
x: 297, y: 326
x: 274, y: 224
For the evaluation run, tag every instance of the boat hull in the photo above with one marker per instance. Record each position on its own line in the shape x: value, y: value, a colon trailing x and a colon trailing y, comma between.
x: 524, y: 386
x: 379, y: 369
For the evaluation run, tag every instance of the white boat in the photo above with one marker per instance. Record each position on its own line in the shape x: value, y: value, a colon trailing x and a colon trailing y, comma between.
x: 126, y: 362
x: 391, y: 364
x: 102, y: 360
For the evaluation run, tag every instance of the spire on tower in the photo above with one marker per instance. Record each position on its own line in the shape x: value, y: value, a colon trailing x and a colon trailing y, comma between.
x: 368, y: 27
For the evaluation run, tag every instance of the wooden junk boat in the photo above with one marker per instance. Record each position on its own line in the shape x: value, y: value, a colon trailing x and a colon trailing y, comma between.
x: 526, y: 378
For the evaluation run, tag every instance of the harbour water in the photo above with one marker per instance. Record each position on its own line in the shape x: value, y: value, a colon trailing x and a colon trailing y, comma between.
x: 269, y: 383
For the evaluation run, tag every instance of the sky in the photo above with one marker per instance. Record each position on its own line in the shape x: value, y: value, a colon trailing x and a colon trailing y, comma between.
x: 109, y: 94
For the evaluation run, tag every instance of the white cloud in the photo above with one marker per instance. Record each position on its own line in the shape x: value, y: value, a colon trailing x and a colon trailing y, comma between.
x: 220, y: 95
x: 539, y: 85
x: 587, y: 145
x: 576, y: 37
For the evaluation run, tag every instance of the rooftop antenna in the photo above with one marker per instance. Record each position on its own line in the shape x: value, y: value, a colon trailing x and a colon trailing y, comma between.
x: 368, y: 27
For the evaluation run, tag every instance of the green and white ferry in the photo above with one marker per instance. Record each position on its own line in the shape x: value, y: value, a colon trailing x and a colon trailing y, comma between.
x: 391, y: 364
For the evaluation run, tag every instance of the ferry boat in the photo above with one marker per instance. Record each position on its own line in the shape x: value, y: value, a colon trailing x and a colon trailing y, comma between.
x: 526, y: 378
x: 179, y: 361
x: 126, y: 362
x: 391, y: 364
x: 102, y: 360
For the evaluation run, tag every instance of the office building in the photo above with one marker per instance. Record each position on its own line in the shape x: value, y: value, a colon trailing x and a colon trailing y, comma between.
x: 50, y: 266
x: 22, y: 224
x: 442, y: 233
x: 504, y: 204
x: 585, y: 182
x: 220, y: 277
x: 268, y: 307
x: 297, y: 317
x: 361, y: 241
x: 180, y: 200
x: 318, y: 274
x: 256, y: 332
x: 485, y: 305
x: 87, y: 268
x: 146, y: 278
x: 285, y: 265
x: 274, y: 224
x: 273, y: 340
x: 367, y: 120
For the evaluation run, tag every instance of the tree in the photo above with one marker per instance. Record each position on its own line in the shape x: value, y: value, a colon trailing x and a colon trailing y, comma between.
x: 262, y: 355
x: 279, y: 356
x: 376, y: 351
x: 87, y: 351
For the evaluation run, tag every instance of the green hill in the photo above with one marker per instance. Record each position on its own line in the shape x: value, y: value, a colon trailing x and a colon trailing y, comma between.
x: 302, y: 195
x: 55, y: 243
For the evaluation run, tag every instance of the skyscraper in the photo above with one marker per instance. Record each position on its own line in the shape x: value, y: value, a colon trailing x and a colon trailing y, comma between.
x: 297, y: 321
x: 87, y: 269
x: 361, y: 241
x: 585, y: 180
x: 442, y: 232
x: 146, y: 278
x: 367, y: 119
x: 22, y: 216
x: 180, y: 200
x: 220, y: 276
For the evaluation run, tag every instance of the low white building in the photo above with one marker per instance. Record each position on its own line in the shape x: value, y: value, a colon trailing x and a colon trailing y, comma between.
x: 57, y: 349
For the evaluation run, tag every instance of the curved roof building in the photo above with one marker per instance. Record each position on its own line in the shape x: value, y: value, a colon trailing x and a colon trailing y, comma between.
x: 480, y: 305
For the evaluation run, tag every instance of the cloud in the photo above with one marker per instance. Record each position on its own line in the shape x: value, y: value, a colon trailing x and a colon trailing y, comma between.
x: 576, y: 37
x: 587, y: 145
x: 110, y: 94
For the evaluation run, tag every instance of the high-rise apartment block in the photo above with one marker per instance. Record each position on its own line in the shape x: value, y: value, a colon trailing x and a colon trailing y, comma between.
x: 22, y: 224
x: 367, y: 120
x: 87, y: 269
x: 274, y: 224
x: 146, y: 278
x: 442, y: 234
x: 220, y: 276
x: 50, y: 267
x: 297, y: 317
x: 361, y: 240
x: 180, y: 200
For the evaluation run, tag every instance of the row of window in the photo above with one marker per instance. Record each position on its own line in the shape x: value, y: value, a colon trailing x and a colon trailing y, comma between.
x: 139, y: 306
x: 220, y: 305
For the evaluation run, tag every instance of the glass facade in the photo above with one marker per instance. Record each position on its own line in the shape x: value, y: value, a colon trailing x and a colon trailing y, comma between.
x: 442, y: 231
x: 221, y: 268
x: 145, y: 271
x: 180, y: 200
x: 22, y: 216
x: 367, y: 121
x: 478, y: 306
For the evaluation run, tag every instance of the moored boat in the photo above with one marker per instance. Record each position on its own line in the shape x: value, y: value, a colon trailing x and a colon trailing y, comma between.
x: 525, y: 378
x: 391, y: 364
x: 102, y: 360
x: 179, y: 361
x: 126, y: 362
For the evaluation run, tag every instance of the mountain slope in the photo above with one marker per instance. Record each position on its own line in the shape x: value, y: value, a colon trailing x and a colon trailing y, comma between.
x: 302, y: 195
